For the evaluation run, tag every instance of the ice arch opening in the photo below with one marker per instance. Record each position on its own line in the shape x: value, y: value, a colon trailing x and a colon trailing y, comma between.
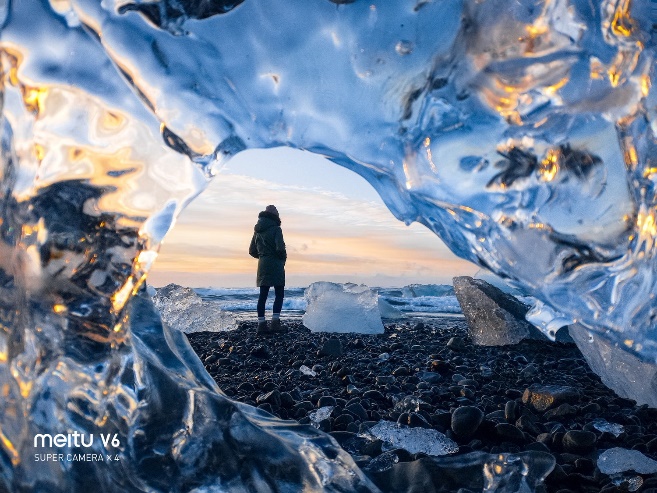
x: 336, y: 229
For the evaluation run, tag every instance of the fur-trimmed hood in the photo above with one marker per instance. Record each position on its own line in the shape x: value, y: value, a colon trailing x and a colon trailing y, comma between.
x: 266, y: 220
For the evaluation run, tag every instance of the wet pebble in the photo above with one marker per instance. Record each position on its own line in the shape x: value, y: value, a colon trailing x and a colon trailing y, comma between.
x: 465, y: 420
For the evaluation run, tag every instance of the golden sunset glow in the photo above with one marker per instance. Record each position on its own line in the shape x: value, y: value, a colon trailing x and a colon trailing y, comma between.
x: 329, y: 236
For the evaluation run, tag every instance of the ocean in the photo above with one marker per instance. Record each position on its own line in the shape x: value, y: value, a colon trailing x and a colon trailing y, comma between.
x: 242, y: 302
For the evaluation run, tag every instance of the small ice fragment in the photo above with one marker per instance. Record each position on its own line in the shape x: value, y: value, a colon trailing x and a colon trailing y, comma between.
x: 628, y: 483
x: 320, y: 415
x: 183, y: 309
x: 605, y: 426
x: 384, y: 357
x: 383, y: 462
x: 409, y: 404
x: 413, y: 440
x: 307, y: 371
x: 616, y: 460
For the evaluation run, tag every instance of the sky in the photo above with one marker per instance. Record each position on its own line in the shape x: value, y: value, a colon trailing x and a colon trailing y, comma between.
x: 335, y: 226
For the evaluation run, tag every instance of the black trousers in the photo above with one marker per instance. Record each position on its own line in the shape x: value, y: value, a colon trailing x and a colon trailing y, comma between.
x: 278, y: 300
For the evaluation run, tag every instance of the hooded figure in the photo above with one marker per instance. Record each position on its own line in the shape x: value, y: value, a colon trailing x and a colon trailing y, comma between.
x: 268, y: 247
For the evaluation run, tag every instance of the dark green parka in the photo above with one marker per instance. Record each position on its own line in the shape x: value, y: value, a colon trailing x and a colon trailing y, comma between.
x: 268, y: 247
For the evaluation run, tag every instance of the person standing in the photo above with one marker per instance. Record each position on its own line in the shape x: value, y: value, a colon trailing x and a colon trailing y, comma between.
x: 268, y: 247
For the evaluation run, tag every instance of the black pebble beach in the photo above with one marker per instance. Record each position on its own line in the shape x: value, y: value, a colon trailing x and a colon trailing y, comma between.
x: 532, y: 396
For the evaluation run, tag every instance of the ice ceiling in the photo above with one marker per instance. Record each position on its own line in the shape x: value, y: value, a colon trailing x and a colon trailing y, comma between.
x: 522, y: 133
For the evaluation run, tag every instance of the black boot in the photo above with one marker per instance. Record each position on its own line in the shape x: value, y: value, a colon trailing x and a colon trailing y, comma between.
x: 262, y: 328
x: 276, y: 325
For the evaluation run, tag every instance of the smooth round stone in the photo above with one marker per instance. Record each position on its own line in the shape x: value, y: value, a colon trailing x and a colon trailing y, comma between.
x: 511, y: 411
x: 440, y: 366
x: 287, y: 400
x: 538, y: 447
x: 326, y: 400
x: 510, y: 433
x: 357, y: 410
x: 374, y: 394
x: 261, y: 352
x: 344, y: 419
x: 579, y: 441
x: 591, y: 408
x: 467, y: 393
x: 457, y: 377
x: 358, y: 344
x: 465, y: 420
x: 352, y: 390
x: 352, y: 428
x: 245, y: 387
x: 456, y: 343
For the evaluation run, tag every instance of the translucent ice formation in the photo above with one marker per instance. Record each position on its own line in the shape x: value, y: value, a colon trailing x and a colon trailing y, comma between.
x: 182, y: 309
x: 413, y: 440
x: 388, y: 311
x: 476, y: 471
x: 619, y: 370
x: 516, y: 473
x: 307, y: 371
x: 334, y: 307
x: 494, y: 318
x: 320, y: 415
x: 616, y: 460
x: 605, y: 426
x: 523, y: 134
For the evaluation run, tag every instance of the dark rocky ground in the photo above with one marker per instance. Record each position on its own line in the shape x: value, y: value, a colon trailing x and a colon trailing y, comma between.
x: 473, y: 394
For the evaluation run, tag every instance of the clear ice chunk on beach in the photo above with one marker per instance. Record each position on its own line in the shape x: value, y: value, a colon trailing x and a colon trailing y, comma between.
x: 627, y: 482
x: 388, y: 311
x: 617, y: 460
x: 182, y: 309
x: 334, y: 307
x: 320, y: 415
x: 307, y: 371
x: 409, y: 404
x: 621, y: 371
x: 413, y: 440
x: 494, y: 317
x: 607, y: 427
